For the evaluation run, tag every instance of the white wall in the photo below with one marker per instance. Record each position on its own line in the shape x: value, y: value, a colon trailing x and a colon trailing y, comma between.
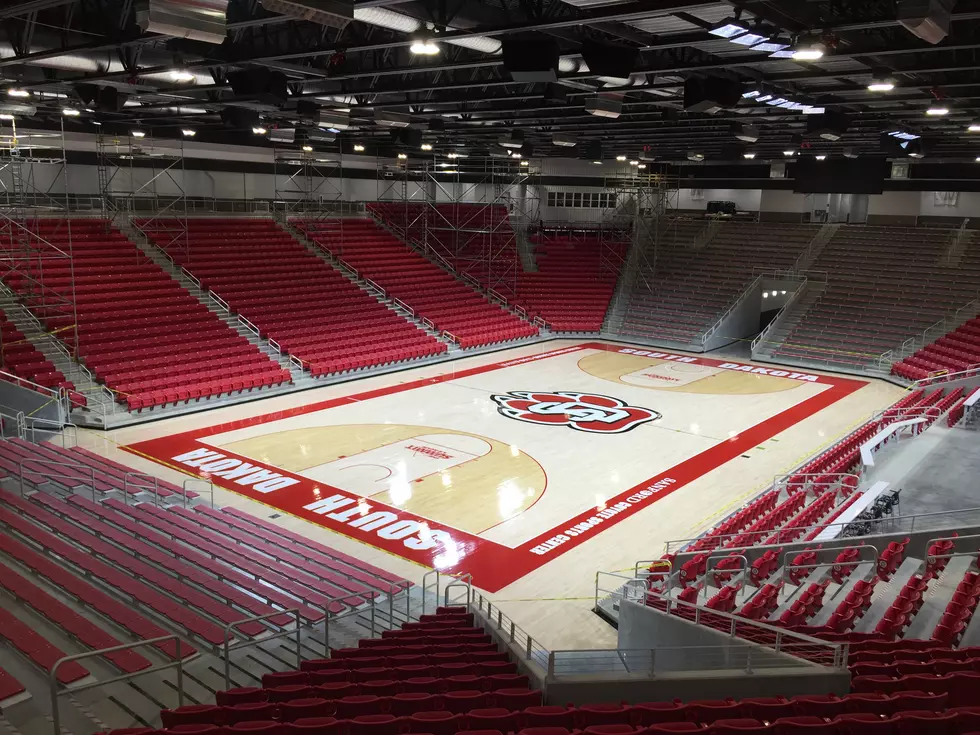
x: 782, y: 201
x: 967, y: 205
x: 902, y: 203
x: 747, y: 200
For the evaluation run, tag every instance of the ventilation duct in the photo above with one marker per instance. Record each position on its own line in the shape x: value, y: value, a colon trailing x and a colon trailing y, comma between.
x: 604, y: 105
x: 332, y: 13
x: 564, y: 140
x: 390, y: 119
x: 331, y: 119
x: 282, y: 135
x: 17, y: 108
x: 198, y: 20
x: 927, y: 19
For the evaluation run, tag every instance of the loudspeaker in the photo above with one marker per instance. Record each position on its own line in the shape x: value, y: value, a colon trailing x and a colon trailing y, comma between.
x: 710, y: 94
x: 555, y: 93
x: 610, y: 60
x: 239, y: 119
x: 262, y: 85
x: 830, y: 125
x: 306, y: 109
x: 532, y: 60
x: 407, y: 137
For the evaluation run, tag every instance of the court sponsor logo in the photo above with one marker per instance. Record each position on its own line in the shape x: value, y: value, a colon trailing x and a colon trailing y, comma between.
x: 587, y: 412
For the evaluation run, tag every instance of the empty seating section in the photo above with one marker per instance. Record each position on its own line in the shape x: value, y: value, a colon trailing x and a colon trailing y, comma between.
x: 476, y: 239
x: 956, y: 352
x: 139, y: 332
x: 865, y: 309
x: 430, y: 292
x: 97, y: 570
x: 691, y: 288
x: 21, y: 358
x: 574, y: 282
x: 441, y: 676
x: 295, y: 299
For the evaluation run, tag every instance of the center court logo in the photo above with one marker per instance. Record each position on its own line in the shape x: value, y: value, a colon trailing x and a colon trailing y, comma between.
x: 587, y: 412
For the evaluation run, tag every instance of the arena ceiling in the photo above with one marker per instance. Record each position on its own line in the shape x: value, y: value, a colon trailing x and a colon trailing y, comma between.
x: 464, y: 97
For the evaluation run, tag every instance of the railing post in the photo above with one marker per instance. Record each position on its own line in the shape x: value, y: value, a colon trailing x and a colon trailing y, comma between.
x: 373, y: 607
x: 551, y: 664
x: 528, y: 650
x: 511, y: 631
x: 748, y: 660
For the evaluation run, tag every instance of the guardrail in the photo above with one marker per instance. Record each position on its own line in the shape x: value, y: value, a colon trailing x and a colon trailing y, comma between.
x: 510, y: 632
x: 780, y: 315
x: 746, y: 292
x: 177, y: 663
x: 930, y: 334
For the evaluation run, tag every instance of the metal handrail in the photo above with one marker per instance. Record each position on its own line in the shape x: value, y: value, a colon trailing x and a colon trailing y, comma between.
x: 227, y: 648
x: 832, y: 563
x: 756, y: 283
x: 760, y: 338
x: 85, y: 469
x: 132, y: 479
x: 178, y: 663
x: 200, y: 481
x: 512, y: 632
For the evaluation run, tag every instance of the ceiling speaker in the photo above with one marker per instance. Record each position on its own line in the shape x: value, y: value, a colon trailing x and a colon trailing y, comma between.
x: 261, y: 85
x: 605, y: 105
x: 531, y: 60
x: 710, y: 94
x: 610, y: 60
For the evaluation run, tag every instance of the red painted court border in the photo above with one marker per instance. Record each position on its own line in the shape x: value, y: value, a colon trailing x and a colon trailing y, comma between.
x: 431, y: 544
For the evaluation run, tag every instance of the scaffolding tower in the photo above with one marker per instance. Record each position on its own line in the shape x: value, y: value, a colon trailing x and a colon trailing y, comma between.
x: 308, y: 184
x: 143, y: 182
x: 36, y: 242
x: 645, y: 213
x: 471, y: 214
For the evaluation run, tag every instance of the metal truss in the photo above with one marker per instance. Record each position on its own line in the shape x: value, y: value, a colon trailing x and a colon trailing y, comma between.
x: 308, y: 184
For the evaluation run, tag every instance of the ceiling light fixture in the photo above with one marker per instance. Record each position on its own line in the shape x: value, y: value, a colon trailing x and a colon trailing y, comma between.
x: 181, y: 75
x: 426, y: 146
x: 5, y: 116
x: 620, y: 158
x: 358, y: 148
x: 937, y: 110
x: 597, y: 163
x: 789, y: 153
x: 882, y: 86
x: 750, y: 156
x: 402, y: 156
x: 15, y: 92
x: 259, y: 130
x: 452, y: 155
x: 634, y: 163
x: 69, y: 112
x: 809, y: 51
x: 973, y: 127
x: 821, y: 157
x: 424, y: 46
x: 138, y: 134
x: 642, y: 165
x: 307, y: 149
x: 525, y: 163
x: 188, y: 132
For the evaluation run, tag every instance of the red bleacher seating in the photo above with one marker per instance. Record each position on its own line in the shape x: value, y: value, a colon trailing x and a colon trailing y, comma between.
x: 21, y: 358
x: 139, y: 332
x: 956, y: 352
x: 429, y: 291
x: 295, y: 299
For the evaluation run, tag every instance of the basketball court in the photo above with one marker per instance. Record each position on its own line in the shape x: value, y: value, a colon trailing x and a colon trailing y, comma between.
x: 480, y: 466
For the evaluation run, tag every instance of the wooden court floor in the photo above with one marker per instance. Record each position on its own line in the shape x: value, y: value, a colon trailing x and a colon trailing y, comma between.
x: 531, y: 468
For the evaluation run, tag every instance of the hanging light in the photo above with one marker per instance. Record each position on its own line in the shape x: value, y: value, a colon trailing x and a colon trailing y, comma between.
x: 358, y: 148
x: 634, y: 163
x: 181, y: 75
x: 620, y: 158
x: 189, y: 132
x: 259, y: 130
x: 402, y: 156
x: 307, y: 149
x: 973, y: 127
x: 937, y: 110
x: 70, y: 112
x: 809, y: 51
x: 821, y: 157
x: 748, y: 155
x: 424, y: 46
x: 138, y: 134
x: 15, y: 92
x: 525, y: 163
